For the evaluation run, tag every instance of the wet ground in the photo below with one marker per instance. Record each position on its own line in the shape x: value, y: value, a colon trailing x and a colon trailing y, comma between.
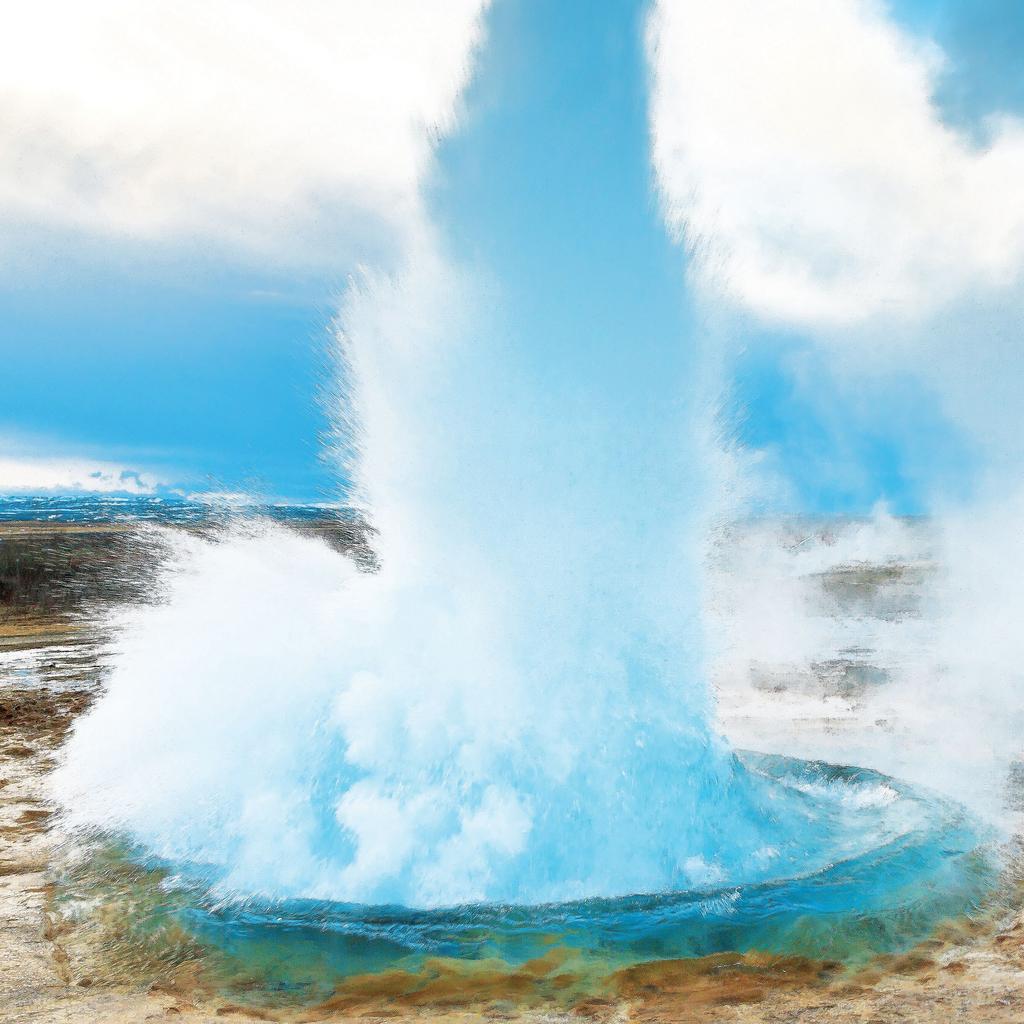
x: 54, y: 967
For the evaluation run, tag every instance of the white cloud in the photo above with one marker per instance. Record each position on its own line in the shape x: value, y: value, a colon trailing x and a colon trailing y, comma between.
x: 798, y: 150
x: 32, y: 475
x: 287, y: 131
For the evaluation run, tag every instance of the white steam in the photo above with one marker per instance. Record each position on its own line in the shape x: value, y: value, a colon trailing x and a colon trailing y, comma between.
x: 884, y: 642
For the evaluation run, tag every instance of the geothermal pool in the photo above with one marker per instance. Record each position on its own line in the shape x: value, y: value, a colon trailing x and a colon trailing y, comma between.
x: 899, y: 862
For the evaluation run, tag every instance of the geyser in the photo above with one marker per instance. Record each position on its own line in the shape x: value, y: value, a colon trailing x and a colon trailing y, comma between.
x: 512, y: 709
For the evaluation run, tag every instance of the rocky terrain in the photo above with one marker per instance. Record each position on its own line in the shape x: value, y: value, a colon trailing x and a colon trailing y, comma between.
x: 57, y: 581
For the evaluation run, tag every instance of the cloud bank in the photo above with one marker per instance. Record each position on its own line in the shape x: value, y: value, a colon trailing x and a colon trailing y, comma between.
x: 297, y: 133
x: 32, y: 475
x: 798, y: 151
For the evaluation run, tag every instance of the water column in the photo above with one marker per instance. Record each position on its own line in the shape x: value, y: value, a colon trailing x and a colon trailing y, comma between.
x: 513, y: 708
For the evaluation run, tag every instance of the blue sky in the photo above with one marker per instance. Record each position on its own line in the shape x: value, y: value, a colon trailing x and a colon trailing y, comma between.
x: 212, y: 385
x: 983, y: 40
x: 133, y: 337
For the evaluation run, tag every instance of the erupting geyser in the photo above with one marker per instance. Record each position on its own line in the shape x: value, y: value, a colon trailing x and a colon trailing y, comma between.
x: 513, y: 708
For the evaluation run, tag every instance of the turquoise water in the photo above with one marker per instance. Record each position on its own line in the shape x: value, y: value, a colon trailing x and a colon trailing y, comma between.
x: 928, y: 865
